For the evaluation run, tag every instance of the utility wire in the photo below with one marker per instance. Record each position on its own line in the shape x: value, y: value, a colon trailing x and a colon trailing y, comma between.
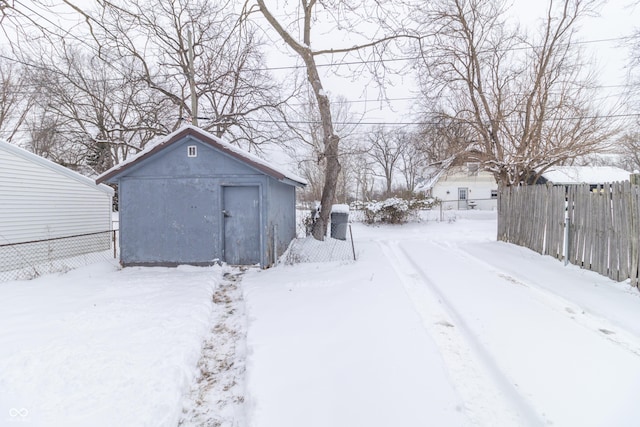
x: 426, y: 123
x: 331, y: 64
x: 115, y: 79
x: 93, y: 49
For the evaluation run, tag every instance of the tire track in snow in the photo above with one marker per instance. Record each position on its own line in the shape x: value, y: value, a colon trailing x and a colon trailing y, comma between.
x: 489, y: 397
x: 596, y: 324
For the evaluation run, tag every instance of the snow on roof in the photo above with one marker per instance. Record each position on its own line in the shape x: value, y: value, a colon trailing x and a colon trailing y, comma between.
x: 158, y: 143
x: 585, y: 175
x: 34, y: 158
x: 432, y: 174
x: 431, y: 180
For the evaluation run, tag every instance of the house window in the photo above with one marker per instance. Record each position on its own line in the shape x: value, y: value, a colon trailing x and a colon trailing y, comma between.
x: 192, y: 151
x: 494, y: 194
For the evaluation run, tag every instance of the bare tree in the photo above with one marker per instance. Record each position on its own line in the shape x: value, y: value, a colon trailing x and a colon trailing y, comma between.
x: 104, y: 115
x: 385, y: 148
x: 133, y: 70
x: 364, y: 176
x: 630, y: 147
x: 16, y: 99
x: 305, y: 147
x: 196, y: 54
x: 45, y: 137
x: 297, y: 34
x: 5, y: 6
x: 442, y: 137
x: 525, y: 102
x: 413, y: 158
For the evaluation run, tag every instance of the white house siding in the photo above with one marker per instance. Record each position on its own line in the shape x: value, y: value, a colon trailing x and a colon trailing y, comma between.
x: 42, y: 200
x: 479, y: 187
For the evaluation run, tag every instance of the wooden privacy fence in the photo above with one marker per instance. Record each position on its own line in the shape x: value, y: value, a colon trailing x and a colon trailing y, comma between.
x: 603, y: 232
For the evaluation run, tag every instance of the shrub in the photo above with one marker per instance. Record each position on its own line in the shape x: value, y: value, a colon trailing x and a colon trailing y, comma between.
x: 395, y: 210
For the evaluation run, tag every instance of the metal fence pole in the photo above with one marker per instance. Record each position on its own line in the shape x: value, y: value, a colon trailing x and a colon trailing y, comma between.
x: 275, y: 244
x: 566, y: 240
x: 353, y: 248
x: 115, y: 251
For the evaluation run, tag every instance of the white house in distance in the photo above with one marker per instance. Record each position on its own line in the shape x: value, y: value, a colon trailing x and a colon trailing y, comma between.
x: 48, y: 212
x: 460, y: 185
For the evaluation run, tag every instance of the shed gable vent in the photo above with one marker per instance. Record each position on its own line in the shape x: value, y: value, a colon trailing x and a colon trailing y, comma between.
x: 192, y: 151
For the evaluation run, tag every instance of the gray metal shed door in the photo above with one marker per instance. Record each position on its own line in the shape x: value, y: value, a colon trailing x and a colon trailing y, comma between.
x: 241, y: 213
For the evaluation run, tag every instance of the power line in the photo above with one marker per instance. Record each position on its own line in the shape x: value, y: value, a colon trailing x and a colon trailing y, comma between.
x: 418, y: 57
x: 58, y: 27
x: 426, y: 123
x: 93, y: 49
x: 36, y: 86
x: 331, y: 64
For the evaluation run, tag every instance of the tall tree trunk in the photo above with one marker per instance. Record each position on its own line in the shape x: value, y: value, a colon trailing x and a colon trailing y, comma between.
x: 332, y: 170
x: 330, y: 139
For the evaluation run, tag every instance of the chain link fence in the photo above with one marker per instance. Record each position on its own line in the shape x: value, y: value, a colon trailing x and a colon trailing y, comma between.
x: 28, y: 260
x: 305, y: 248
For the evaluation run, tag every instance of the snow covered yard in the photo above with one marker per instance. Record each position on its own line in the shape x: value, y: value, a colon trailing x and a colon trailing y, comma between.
x: 100, y: 346
x: 435, y: 324
x: 439, y: 324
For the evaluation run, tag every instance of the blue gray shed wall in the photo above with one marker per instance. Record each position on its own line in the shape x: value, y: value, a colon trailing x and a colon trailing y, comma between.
x: 281, y: 214
x: 171, y: 207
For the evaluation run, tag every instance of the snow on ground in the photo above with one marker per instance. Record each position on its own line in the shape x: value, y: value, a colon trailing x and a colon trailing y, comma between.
x: 217, y: 396
x: 100, y: 346
x: 439, y: 324
x: 436, y: 323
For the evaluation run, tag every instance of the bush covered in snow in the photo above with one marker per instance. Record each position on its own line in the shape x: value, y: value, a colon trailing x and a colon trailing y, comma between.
x: 395, y: 210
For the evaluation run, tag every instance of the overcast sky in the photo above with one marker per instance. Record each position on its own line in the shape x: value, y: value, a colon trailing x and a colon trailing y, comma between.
x: 603, y: 40
x: 602, y: 36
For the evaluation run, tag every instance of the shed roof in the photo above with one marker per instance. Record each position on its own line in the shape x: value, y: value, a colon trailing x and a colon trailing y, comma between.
x: 585, y: 175
x: 161, y: 143
x: 45, y: 163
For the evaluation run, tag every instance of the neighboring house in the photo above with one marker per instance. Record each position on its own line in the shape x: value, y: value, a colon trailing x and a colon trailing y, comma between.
x: 48, y: 212
x: 461, y: 185
x: 592, y: 175
x: 190, y: 198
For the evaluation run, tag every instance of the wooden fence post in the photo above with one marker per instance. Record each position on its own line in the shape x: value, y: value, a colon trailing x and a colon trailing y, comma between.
x: 634, y: 239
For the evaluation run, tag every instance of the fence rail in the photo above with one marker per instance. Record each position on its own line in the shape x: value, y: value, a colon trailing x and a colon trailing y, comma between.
x: 31, y: 259
x: 603, y: 225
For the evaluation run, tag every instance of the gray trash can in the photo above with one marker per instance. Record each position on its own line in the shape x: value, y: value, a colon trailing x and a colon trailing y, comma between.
x: 339, y: 221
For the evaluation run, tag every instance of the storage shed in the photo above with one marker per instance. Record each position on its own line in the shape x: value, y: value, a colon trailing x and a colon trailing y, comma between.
x: 191, y: 198
x: 48, y: 212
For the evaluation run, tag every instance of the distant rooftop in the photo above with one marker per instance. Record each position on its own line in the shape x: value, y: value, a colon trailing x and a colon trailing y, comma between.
x: 585, y: 175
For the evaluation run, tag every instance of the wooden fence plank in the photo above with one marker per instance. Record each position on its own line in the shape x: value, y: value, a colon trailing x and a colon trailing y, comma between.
x: 604, y: 226
x: 614, y: 243
x: 633, y: 232
x: 623, y: 230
